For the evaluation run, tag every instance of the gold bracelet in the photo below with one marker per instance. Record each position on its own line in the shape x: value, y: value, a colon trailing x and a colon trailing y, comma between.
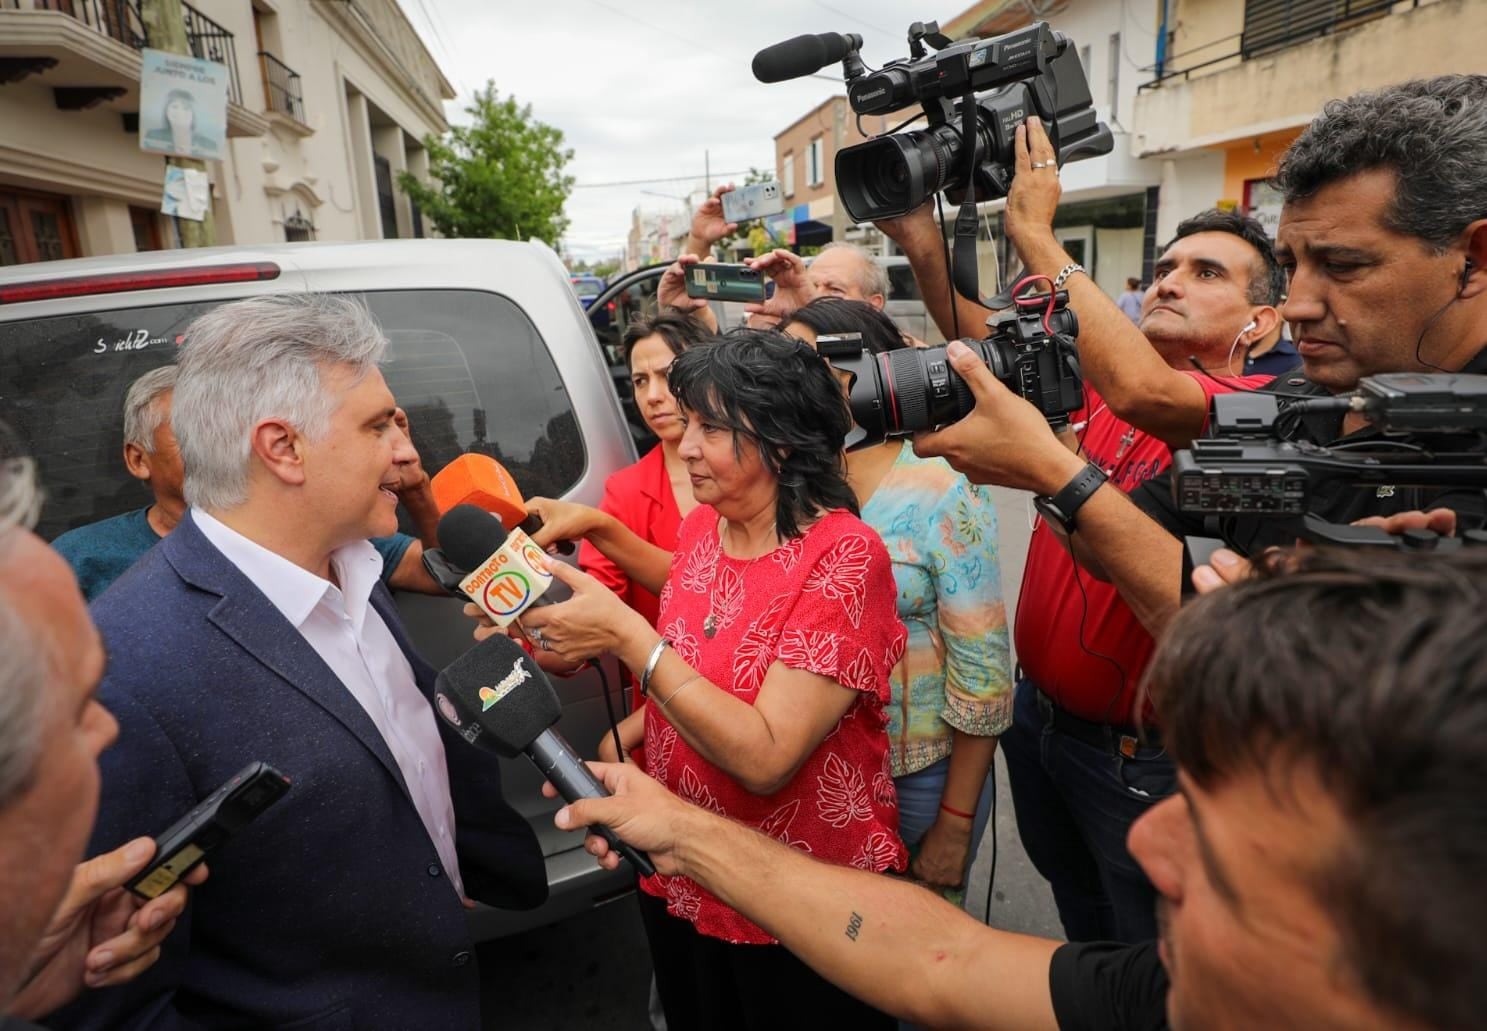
x: 680, y: 688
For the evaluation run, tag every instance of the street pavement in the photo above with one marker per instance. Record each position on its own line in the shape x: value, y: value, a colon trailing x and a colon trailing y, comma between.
x: 593, y: 970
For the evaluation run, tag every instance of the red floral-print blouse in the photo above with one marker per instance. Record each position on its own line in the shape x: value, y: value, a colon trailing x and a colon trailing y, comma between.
x: 822, y: 602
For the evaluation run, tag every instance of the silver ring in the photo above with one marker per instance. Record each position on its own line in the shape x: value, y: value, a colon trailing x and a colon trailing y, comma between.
x: 1042, y: 164
x: 539, y: 640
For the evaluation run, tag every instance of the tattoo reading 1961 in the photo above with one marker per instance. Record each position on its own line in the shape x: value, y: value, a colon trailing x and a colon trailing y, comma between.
x: 853, y: 926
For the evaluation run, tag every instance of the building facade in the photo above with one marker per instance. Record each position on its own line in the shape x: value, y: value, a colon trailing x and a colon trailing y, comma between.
x: 328, y: 100
x: 1234, y: 83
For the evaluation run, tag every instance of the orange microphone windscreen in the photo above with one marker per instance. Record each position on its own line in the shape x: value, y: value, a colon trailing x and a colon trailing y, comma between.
x: 481, y: 481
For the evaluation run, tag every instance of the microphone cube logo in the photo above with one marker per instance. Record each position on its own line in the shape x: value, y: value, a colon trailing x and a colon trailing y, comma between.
x: 510, y: 580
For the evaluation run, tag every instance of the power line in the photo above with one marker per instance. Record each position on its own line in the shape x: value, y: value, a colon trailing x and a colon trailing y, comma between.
x: 852, y: 17
x: 630, y: 16
x: 658, y: 179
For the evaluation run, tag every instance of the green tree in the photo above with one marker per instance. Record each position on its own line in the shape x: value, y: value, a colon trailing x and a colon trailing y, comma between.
x: 499, y: 177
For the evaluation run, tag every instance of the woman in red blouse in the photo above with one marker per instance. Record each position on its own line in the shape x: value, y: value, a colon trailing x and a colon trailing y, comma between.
x: 651, y: 496
x: 767, y: 680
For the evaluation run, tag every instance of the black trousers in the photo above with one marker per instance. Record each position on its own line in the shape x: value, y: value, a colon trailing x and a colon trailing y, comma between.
x: 707, y: 984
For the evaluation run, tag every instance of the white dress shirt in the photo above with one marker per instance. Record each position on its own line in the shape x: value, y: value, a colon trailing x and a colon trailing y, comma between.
x: 350, y: 636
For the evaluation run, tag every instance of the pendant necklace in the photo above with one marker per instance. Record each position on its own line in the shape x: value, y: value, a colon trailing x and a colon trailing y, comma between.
x: 710, y: 624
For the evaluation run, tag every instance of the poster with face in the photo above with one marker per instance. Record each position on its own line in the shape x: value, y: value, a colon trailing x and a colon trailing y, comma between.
x: 182, y: 106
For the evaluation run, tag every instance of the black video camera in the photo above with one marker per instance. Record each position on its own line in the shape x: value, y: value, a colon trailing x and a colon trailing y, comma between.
x: 1247, y: 467
x: 997, y: 83
x: 910, y: 389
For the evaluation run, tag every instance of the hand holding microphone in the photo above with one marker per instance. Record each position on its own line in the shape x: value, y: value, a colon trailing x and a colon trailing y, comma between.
x: 495, y: 697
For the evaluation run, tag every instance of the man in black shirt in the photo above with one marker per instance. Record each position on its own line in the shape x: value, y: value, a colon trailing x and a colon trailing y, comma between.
x: 1384, y: 239
x: 1319, y: 868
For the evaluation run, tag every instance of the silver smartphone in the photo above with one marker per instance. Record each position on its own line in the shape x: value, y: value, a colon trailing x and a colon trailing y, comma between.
x: 755, y: 201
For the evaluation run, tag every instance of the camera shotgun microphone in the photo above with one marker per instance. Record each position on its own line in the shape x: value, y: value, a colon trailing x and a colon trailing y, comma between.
x: 495, y: 697
x: 803, y: 55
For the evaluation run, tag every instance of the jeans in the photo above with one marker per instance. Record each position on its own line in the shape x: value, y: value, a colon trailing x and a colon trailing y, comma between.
x: 919, y: 795
x: 1075, y: 804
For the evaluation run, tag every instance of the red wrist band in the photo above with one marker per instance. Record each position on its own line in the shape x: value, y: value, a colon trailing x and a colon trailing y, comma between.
x: 957, y: 812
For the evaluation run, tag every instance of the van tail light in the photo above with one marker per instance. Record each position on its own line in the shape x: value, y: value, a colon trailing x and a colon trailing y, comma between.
x: 125, y: 282
x: 611, y: 307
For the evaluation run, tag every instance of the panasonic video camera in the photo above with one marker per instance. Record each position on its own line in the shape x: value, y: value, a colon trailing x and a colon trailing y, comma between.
x: 910, y: 389
x: 990, y: 85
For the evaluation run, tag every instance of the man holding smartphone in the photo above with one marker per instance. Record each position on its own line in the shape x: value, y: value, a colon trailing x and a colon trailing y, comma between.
x: 63, y: 927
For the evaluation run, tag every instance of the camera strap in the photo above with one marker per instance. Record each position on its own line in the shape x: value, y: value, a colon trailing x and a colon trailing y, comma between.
x: 964, y: 273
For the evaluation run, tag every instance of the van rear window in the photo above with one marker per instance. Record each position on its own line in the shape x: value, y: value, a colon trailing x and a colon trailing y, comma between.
x: 468, y: 366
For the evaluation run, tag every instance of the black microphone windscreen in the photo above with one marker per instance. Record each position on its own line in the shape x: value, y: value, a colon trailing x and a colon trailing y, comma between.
x: 469, y: 535
x: 802, y: 55
x: 497, y: 688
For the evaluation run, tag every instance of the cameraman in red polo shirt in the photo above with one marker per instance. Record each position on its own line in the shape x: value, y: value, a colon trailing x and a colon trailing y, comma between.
x: 1081, y: 772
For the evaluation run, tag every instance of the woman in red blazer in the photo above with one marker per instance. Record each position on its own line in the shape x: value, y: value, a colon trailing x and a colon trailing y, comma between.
x: 651, y: 496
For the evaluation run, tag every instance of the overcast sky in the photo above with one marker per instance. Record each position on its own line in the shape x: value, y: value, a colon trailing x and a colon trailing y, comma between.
x: 643, y: 88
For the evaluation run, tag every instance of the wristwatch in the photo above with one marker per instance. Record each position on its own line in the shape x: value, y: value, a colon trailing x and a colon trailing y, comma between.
x: 1061, y: 508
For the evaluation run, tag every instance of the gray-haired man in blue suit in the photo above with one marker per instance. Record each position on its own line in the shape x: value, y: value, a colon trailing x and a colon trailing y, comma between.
x: 259, y: 630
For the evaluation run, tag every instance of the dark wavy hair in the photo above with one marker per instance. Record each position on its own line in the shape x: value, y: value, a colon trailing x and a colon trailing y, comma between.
x: 830, y: 315
x: 676, y: 330
x: 1431, y: 133
x: 779, y: 395
x: 1369, y: 669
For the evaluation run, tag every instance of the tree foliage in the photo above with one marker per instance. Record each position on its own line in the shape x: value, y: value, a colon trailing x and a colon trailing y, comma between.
x: 499, y: 177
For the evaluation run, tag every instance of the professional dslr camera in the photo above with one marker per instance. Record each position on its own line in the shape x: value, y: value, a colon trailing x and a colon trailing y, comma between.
x: 911, y: 389
x: 1248, y: 467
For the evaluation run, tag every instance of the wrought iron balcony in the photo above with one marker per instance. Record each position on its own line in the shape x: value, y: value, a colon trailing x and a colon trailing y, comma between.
x: 212, y: 42
x: 121, y: 20
x: 282, y: 87
x: 117, y: 19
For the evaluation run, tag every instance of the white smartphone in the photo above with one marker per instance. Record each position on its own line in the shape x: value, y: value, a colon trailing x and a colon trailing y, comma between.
x: 750, y: 202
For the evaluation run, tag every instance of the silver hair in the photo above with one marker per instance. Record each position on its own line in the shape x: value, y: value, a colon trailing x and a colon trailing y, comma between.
x: 23, y: 679
x: 22, y: 659
x: 873, y: 279
x: 142, y: 416
x: 1431, y: 133
x: 256, y: 359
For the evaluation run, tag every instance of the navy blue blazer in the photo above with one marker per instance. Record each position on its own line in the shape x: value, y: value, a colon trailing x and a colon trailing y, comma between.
x: 332, y: 910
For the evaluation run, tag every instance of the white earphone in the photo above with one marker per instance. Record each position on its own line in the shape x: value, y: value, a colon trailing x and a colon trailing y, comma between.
x: 1229, y: 364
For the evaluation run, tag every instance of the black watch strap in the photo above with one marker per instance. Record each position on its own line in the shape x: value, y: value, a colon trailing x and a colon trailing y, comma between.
x: 1062, y: 506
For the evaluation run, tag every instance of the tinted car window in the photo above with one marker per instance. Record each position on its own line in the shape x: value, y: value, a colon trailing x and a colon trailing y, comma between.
x: 469, y: 367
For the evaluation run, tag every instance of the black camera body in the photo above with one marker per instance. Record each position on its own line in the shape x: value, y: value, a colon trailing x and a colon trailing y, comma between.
x: 910, y: 389
x: 1033, y: 71
x: 1246, y: 467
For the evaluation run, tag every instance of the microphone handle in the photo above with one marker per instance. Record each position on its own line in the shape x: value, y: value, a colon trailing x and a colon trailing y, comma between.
x: 531, y: 524
x: 574, y: 780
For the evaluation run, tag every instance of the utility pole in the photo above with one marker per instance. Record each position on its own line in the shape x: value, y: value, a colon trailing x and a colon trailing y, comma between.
x: 165, y: 28
x: 707, y: 172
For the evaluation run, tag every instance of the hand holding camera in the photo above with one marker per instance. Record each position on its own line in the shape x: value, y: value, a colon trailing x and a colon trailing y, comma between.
x: 1035, y: 191
x: 672, y: 292
x: 793, y: 287
x: 1004, y: 440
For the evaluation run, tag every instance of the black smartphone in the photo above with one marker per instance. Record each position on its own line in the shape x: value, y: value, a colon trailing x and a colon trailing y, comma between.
x: 726, y: 283
x: 216, y: 818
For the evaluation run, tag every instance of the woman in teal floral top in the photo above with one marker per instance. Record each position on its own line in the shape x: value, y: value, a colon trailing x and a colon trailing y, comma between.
x: 952, y: 693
